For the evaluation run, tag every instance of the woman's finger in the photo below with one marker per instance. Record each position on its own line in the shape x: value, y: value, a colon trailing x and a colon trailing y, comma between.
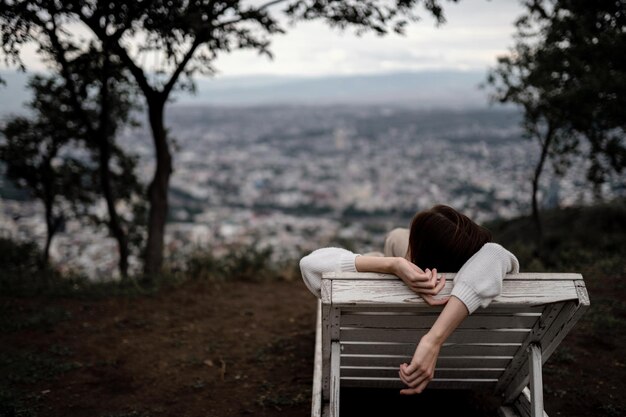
x: 403, y: 375
x: 421, y: 283
x: 425, y: 291
x: 430, y: 300
x: 422, y: 291
x: 428, y: 280
x: 422, y: 386
x: 433, y: 278
x: 416, y: 286
x: 402, y: 378
x: 420, y: 277
x: 408, y: 391
x: 410, y: 368
x: 440, y: 285
x: 419, y: 381
x: 415, y: 378
x: 409, y: 377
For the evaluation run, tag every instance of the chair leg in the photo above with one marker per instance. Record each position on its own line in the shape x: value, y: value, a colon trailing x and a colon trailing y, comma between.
x: 522, y: 406
x: 316, y: 400
x: 529, y: 402
x: 507, y: 411
x: 536, y: 381
x: 335, y: 354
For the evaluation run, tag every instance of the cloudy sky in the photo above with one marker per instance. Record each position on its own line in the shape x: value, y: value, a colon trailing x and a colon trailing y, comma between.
x: 475, y: 33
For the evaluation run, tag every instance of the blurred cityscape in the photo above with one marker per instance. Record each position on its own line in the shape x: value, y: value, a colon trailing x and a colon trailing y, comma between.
x: 297, y: 178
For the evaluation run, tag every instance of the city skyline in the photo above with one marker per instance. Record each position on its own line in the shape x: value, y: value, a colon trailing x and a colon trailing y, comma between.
x: 295, y: 178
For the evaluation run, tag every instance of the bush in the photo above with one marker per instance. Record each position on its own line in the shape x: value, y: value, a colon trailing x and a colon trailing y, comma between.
x: 246, y: 263
x: 24, y: 275
x: 576, y: 239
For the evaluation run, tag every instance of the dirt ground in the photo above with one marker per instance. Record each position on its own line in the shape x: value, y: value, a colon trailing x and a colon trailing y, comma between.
x: 237, y: 349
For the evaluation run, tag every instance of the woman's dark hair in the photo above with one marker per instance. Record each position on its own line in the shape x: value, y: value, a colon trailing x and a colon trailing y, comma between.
x: 445, y: 239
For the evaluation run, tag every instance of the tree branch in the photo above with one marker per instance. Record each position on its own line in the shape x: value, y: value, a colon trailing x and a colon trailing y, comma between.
x: 270, y: 4
x: 59, y: 53
x: 241, y: 18
x: 170, y: 84
x: 137, y: 71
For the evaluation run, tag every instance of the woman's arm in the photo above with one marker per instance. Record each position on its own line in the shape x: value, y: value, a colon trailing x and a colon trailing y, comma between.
x: 479, y: 280
x: 323, y: 260
x: 477, y: 283
x: 421, y: 370
x: 425, y: 283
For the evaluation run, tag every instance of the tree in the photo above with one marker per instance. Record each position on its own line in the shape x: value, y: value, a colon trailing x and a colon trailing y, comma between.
x: 100, y: 96
x: 190, y: 34
x: 32, y: 151
x: 61, y: 155
x: 102, y: 99
x: 567, y: 73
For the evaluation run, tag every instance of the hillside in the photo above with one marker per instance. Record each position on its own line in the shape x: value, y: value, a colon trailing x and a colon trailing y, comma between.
x: 451, y: 89
x: 235, y: 345
x: 577, y: 239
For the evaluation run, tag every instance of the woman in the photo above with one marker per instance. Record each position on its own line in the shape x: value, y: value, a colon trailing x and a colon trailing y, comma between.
x: 439, y: 239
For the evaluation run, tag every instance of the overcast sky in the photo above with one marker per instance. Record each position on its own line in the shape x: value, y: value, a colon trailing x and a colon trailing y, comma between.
x: 475, y: 33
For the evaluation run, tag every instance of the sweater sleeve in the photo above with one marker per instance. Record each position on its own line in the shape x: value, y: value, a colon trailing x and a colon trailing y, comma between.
x: 323, y: 260
x: 479, y: 280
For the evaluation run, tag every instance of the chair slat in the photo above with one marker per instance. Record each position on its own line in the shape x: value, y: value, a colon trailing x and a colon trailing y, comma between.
x: 443, y: 361
x: 486, y: 384
x: 419, y: 309
x: 527, y: 276
x: 407, y: 349
x: 392, y: 372
x: 415, y: 321
x: 413, y: 336
x: 396, y: 293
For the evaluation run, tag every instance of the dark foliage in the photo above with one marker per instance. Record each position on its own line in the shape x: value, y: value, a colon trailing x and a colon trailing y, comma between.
x: 577, y: 239
x: 65, y: 154
x: 568, y: 74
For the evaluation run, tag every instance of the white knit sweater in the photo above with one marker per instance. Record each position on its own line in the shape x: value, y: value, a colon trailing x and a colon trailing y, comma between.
x: 476, y: 284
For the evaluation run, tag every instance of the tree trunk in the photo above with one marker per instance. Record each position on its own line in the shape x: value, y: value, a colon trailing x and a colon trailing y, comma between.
x: 157, y: 190
x: 48, y: 197
x: 50, y: 230
x: 115, y: 226
x: 538, y: 170
x: 104, y: 148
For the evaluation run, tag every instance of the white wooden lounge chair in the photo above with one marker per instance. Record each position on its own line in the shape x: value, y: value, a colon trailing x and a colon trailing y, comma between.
x: 368, y: 324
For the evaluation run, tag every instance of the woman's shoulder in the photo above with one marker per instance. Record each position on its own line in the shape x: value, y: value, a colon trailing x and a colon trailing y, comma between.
x: 324, y: 257
x: 496, y: 252
x: 330, y: 249
x: 329, y: 252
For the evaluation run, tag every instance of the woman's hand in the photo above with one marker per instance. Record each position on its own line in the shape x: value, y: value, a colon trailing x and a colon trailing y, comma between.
x: 421, y: 370
x: 422, y: 367
x: 424, y: 283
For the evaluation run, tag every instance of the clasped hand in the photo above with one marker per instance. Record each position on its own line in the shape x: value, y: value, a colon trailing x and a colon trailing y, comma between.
x: 421, y: 370
x: 425, y: 283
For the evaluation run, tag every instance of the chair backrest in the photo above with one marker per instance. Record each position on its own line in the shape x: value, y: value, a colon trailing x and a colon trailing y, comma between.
x: 377, y: 322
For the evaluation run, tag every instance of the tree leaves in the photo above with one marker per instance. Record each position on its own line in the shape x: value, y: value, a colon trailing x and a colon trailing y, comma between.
x: 567, y: 70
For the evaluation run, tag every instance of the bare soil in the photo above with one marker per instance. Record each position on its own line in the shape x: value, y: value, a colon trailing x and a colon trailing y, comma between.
x: 241, y: 348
